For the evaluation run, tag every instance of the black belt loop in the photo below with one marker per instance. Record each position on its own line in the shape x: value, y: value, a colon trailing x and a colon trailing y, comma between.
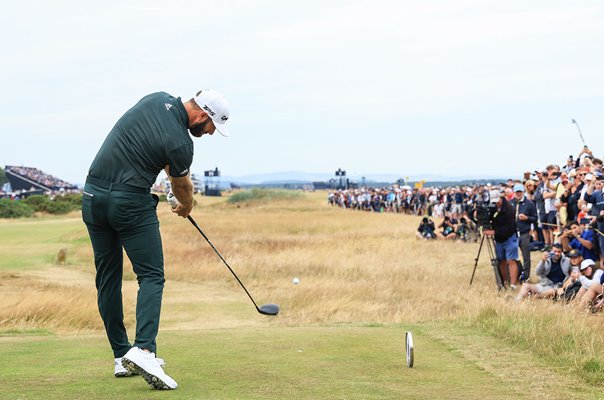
x: 115, y: 186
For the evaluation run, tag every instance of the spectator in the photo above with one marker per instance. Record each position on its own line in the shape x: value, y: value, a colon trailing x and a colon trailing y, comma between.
x: 571, y: 285
x: 448, y: 228
x: 575, y: 237
x: 551, y: 181
x: 540, y: 204
x: 506, y: 240
x: 590, y: 275
x: 38, y: 176
x: 553, y: 270
x: 458, y: 197
x: 464, y: 228
x: 561, y: 200
x: 595, y: 197
x: 426, y: 229
x: 526, y: 215
x: 570, y: 164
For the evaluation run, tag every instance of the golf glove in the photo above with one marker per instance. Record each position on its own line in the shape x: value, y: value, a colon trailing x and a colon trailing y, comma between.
x: 172, y: 200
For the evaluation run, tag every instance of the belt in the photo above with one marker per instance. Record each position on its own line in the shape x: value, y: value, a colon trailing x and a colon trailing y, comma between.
x: 115, y: 186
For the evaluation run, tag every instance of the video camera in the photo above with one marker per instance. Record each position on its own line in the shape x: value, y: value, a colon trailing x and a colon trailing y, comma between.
x: 485, y: 213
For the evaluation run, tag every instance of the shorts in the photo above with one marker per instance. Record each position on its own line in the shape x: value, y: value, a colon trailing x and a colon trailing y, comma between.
x: 507, y: 250
x: 542, y: 216
x: 551, y: 219
x: 457, y: 208
x: 542, y: 288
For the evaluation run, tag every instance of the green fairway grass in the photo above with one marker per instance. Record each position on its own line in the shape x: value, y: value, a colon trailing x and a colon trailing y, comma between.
x: 335, y: 362
x: 34, y: 242
x: 302, y: 363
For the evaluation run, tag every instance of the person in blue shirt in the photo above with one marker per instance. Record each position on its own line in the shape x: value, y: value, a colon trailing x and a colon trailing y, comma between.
x: 576, y: 237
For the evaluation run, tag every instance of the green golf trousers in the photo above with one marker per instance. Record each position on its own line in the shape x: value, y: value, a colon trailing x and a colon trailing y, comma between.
x: 125, y: 219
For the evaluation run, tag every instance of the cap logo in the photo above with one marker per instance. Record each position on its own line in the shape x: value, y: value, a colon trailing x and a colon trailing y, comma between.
x: 209, y: 110
x: 224, y: 118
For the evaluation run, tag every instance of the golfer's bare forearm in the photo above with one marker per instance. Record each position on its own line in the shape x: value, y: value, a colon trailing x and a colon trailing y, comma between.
x: 183, y: 190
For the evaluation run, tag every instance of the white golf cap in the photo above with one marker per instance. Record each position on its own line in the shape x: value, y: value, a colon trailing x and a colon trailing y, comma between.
x: 215, y: 105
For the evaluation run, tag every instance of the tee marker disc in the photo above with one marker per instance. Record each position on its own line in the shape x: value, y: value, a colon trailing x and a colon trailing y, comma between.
x: 409, y: 348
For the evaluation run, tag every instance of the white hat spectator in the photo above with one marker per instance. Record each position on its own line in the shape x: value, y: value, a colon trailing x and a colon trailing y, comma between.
x: 587, y: 263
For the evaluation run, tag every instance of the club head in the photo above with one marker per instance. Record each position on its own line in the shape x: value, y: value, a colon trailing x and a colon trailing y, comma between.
x: 269, y: 309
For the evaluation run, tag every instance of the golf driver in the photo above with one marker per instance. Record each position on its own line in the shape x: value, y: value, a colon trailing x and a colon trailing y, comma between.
x: 267, y: 309
x: 579, y: 129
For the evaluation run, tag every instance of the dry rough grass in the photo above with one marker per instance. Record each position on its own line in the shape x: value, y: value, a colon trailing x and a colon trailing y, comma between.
x: 353, y: 266
x: 28, y: 303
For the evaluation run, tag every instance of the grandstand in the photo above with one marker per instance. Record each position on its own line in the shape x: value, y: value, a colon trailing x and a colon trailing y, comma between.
x: 33, y: 179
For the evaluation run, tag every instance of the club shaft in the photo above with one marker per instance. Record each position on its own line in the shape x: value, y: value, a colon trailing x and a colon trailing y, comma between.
x: 223, y: 260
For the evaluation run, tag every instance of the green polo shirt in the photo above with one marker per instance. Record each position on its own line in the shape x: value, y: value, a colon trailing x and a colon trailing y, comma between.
x: 149, y: 136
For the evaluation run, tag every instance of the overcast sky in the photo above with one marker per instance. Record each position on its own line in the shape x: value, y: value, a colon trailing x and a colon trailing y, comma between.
x: 426, y: 87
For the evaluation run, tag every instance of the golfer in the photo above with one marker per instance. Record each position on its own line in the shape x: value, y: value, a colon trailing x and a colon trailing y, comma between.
x: 120, y: 213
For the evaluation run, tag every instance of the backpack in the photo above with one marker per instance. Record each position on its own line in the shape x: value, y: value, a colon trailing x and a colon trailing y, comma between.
x: 571, y: 291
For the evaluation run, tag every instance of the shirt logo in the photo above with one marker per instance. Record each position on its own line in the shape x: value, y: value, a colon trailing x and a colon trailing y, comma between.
x: 168, y: 106
x: 224, y: 118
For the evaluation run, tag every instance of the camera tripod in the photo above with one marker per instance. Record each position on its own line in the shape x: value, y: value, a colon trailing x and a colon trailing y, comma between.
x: 488, y: 237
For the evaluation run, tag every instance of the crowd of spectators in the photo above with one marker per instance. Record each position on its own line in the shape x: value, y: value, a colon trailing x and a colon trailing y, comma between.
x: 558, y: 210
x: 40, y: 177
x: 454, y: 205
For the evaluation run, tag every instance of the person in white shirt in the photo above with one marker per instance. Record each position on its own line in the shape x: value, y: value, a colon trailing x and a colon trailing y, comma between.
x: 590, y: 279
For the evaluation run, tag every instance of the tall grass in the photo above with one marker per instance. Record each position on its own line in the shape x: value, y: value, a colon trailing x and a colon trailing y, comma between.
x: 30, y: 304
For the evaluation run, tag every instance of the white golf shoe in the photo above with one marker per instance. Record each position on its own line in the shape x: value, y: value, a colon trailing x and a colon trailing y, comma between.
x: 145, y: 364
x: 118, y: 369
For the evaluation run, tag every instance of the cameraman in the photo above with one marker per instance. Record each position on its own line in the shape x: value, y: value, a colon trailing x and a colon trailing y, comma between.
x: 426, y: 229
x: 526, y: 215
x: 448, y: 227
x: 463, y: 228
x: 506, y: 238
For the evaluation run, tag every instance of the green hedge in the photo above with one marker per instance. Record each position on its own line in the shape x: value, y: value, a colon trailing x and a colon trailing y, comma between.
x: 14, y: 209
x: 37, y: 202
x: 40, y: 203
